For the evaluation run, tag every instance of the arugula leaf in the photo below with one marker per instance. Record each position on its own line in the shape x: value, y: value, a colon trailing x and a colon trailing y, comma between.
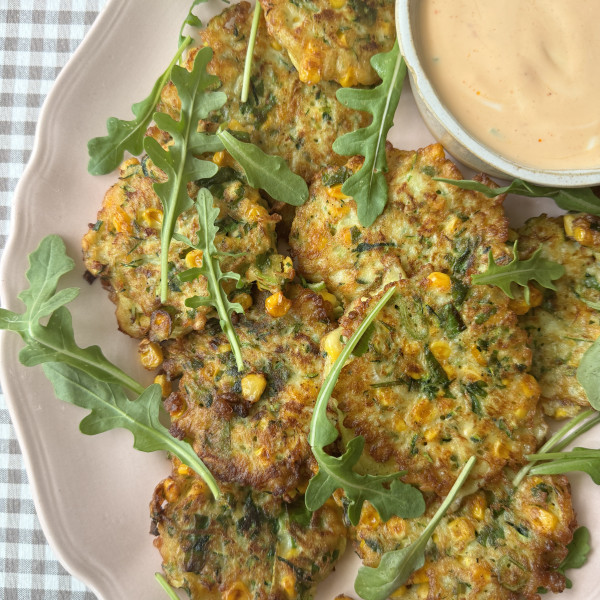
x: 368, y: 186
x: 249, y: 52
x: 578, y: 459
x: 211, y: 269
x: 588, y: 374
x: 579, y: 549
x: 400, y: 499
x: 55, y: 342
x: 267, y: 172
x: 165, y: 586
x: 178, y: 163
x: 192, y: 20
x: 106, y: 153
x: 396, y: 566
x: 576, y: 199
x: 536, y: 268
x: 112, y: 409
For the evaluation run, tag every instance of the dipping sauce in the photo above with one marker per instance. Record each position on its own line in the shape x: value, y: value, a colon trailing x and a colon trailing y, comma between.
x: 522, y: 76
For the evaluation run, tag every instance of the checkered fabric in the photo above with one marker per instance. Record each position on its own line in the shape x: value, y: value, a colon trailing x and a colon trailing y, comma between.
x: 37, y: 37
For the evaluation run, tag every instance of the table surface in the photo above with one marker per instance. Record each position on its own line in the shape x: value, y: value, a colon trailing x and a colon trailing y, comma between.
x: 37, y: 38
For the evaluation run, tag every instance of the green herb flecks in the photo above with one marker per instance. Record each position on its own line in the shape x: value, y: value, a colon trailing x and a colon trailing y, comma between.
x: 249, y: 52
x: 576, y: 199
x: 579, y: 549
x: 588, y: 374
x: 521, y: 272
x: 368, y: 185
x: 83, y: 376
x: 55, y: 341
x: 400, y: 499
x: 211, y: 269
x: 178, y: 162
x: 396, y: 566
x: 560, y: 440
x: 267, y: 172
x: 106, y: 153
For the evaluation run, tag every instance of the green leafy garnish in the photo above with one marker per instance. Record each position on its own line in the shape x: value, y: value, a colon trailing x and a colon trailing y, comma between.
x: 579, y: 549
x: 334, y: 473
x: 536, y: 268
x: 368, y: 186
x: 578, y: 459
x: 267, y: 172
x: 192, y: 20
x: 396, y: 566
x: 576, y: 199
x: 165, y: 586
x: 178, y: 162
x: 112, y: 409
x: 211, y: 269
x: 106, y: 153
x: 83, y: 376
x: 249, y: 52
x: 55, y: 342
x: 588, y: 374
x: 551, y: 450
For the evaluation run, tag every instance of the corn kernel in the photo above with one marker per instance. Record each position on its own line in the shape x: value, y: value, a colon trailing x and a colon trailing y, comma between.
x: 521, y: 412
x: 337, y: 3
x: 276, y: 45
x: 500, y: 450
x: 171, y: 490
x: 255, y: 213
x: 476, y: 354
x: 561, y: 413
x: 420, y: 576
x: 478, y: 507
x: 583, y: 236
x: 530, y: 387
x: 235, y: 125
x: 238, y: 591
x: 245, y: 300
x: 277, y: 305
x: 184, y: 470
x: 385, y: 396
x: 481, y: 574
x: 332, y: 344
x: 193, y: 259
x: 423, y: 590
x: 541, y: 519
x: 122, y: 221
x: 370, y: 516
x: 198, y: 488
x: 288, y: 585
x: 440, y: 349
x: 151, y: 354
x: 348, y: 79
x: 253, y: 386
x: 399, y: 424
x: 450, y: 371
x: 222, y: 158
x: 440, y: 281
x: 165, y: 385
x: 335, y: 191
x: 400, y: 592
x: 329, y: 297
x: 152, y: 217
x: 430, y: 434
x: 397, y: 527
x: 347, y: 237
x: 461, y: 529
x: 422, y: 411
x: 343, y: 39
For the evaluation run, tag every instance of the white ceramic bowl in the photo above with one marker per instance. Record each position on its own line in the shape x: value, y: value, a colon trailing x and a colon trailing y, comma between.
x: 450, y: 133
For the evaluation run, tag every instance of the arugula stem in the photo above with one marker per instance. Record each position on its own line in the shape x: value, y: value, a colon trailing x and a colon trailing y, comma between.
x: 112, y: 370
x: 165, y: 586
x: 326, y: 390
x: 250, y: 52
x: 224, y: 317
x: 557, y: 441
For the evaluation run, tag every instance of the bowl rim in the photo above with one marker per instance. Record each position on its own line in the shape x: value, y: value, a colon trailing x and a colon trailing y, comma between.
x: 426, y: 93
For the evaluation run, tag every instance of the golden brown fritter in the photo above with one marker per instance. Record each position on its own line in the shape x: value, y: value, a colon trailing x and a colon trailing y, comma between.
x: 123, y: 249
x: 283, y: 116
x: 257, y: 442
x: 500, y: 544
x: 424, y: 223
x: 563, y: 323
x: 444, y: 378
x: 245, y: 545
x: 333, y: 39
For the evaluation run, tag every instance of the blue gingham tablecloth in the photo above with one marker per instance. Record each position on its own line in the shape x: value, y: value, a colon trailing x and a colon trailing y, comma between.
x: 37, y: 38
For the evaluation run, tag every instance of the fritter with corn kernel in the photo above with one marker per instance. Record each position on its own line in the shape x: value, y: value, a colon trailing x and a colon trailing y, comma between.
x: 333, y: 40
x: 251, y: 428
x: 563, y: 323
x: 425, y: 222
x: 500, y: 544
x: 283, y: 116
x: 444, y: 378
x: 246, y: 545
x: 123, y: 249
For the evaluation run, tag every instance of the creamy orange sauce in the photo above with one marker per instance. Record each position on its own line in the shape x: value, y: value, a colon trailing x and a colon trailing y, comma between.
x: 522, y: 76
